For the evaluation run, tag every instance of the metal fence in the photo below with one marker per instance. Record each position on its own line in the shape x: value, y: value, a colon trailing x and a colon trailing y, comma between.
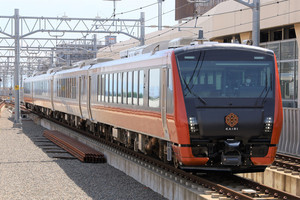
x: 289, y: 142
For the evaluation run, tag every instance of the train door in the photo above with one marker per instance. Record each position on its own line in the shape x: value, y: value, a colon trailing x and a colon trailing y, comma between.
x: 89, y: 83
x: 163, y: 100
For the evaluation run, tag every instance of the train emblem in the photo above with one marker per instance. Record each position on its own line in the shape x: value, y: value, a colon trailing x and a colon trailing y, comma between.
x: 231, y: 120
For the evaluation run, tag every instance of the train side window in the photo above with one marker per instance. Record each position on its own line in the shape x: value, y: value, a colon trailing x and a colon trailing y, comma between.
x: 102, y: 87
x: 129, y: 101
x: 106, y: 87
x: 154, y: 88
x: 57, y: 88
x: 110, y: 87
x: 98, y: 88
x: 141, y: 87
x: 119, y: 88
x: 124, y: 87
x: 63, y: 88
x: 74, y: 88
x: 68, y: 87
x: 115, y: 88
x: 170, y: 92
x: 135, y: 87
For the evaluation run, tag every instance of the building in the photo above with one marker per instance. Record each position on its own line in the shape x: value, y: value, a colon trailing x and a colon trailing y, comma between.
x: 230, y: 21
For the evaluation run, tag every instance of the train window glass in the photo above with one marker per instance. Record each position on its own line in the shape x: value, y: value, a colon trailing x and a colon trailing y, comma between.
x: 218, y: 80
x: 119, y: 88
x: 83, y: 89
x: 234, y: 73
x: 63, y: 88
x: 98, y: 88
x: 170, y: 80
x: 141, y: 87
x: 154, y: 88
x: 170, y: 92
x: 129, y: 101
x: 46, y: 88
x: 27, y: 88
x: 210, y: 78
x: 68, y: 87
x: 110, y: 87
x: 106, y: 87
x: 74, y: 88
x: 57, y: 88
x: 60, y: 88
x: 124, y: 87
x: 103, y: 87
x: 135, y: 87
x: 115, y: 88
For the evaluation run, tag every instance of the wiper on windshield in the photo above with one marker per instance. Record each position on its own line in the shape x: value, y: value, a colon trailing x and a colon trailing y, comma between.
x: 195, y: 95
x: 265, y: 88
x: 270, y: 88
x: 191, y: 78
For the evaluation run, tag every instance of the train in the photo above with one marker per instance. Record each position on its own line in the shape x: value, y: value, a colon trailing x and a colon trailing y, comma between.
x: 203, y: 108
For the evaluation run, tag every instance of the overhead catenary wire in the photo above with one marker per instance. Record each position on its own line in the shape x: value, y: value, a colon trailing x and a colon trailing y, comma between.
x: 160, y: 34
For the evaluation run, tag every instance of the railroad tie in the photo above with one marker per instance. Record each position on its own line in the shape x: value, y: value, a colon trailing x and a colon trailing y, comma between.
x: 81, y: 151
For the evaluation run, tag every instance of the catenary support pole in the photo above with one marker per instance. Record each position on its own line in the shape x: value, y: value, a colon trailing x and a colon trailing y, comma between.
x: 256, y: 22
x: 17, y: 63
x: 255, y: 6
x: 159, y: 15
x: 142, y: 39
x: 95, y: 45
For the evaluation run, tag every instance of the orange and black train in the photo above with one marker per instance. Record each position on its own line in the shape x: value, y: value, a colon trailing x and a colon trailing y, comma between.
x: 209, y: 107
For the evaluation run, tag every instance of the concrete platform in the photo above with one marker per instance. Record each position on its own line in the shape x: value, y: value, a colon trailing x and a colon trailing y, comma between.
x: 27, y: 171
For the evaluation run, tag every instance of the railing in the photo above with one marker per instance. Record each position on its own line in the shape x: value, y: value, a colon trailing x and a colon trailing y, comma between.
x: 289, y: 142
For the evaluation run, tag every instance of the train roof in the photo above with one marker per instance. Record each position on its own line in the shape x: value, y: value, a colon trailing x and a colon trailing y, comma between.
x: 138, y: 58
x: 216, y: 45
x: 154, y: 55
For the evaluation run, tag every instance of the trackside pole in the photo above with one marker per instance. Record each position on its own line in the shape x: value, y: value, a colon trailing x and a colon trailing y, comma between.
x: 17, y: 63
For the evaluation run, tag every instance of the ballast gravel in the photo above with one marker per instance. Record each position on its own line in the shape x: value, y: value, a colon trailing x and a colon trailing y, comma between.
x: 27, y: 172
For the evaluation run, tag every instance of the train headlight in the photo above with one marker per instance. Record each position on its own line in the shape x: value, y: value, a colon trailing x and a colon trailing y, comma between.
x: 268, y: 125
x: 193, y: 125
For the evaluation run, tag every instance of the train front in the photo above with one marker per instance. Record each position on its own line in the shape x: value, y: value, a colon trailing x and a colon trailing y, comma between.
x: 233, y: 107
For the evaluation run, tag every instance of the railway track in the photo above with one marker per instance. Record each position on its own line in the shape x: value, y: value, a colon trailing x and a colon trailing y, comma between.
x: 222, y: 187
x: 287, y: 162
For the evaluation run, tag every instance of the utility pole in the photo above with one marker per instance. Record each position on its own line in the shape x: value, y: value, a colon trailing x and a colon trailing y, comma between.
x: 255, y: 6
x: 95, y: 45
x: 17, y: 63
x: 160, y: 14
x: 142, y: 39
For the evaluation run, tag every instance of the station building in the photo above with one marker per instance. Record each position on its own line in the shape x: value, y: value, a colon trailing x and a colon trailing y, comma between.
x: 230, y: 21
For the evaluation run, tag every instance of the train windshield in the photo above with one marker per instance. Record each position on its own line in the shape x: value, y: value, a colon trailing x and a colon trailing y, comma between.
x: 226, y: 74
